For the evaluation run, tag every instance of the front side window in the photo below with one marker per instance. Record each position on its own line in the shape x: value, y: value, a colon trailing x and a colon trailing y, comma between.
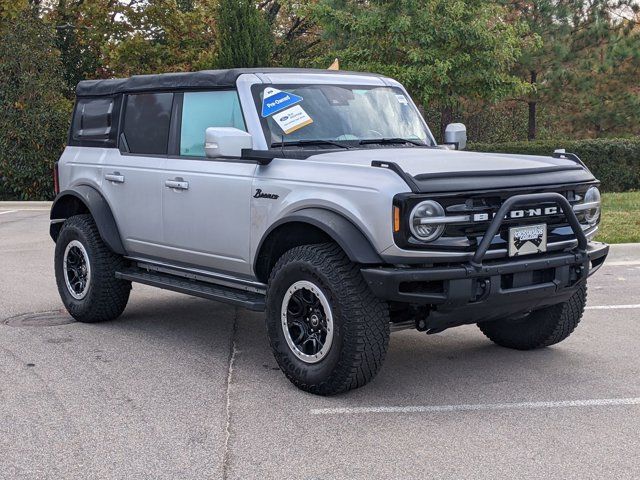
x: 346, y: 114
x: 201, y: 110
x: 146, y: 123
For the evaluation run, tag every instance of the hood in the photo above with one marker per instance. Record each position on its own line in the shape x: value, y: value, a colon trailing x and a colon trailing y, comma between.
x: 439, y: 170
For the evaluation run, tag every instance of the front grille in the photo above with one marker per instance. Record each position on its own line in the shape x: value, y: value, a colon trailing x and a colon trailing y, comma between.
x: 465, y: 237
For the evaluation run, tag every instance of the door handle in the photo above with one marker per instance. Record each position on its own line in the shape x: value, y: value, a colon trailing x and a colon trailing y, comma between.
x: 114, y: 177
x: 177, y: 184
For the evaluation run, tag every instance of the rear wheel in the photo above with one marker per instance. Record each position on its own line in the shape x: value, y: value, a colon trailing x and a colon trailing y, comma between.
x: 328, y: 332
x: 85, y: 273
x: 540, y: 328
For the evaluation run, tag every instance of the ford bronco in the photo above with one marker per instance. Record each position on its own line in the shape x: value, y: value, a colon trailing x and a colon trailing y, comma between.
x: 322, y: 199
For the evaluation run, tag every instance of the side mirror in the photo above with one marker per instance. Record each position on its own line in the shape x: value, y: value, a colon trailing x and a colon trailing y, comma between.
x: 456, y: 134
x: 226, y: 142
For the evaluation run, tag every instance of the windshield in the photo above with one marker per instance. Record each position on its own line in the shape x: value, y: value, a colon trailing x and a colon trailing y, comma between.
x: 338, y: 116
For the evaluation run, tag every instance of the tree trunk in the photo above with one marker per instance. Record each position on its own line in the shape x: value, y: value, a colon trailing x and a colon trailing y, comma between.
x: 446, y: 115
x: 532, y: 110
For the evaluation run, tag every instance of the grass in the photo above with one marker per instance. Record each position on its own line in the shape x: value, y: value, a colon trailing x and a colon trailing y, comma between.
x: 620, y: 218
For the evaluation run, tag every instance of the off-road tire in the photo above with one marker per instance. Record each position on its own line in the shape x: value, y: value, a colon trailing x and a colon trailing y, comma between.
x: 541, y: 328
x: 107, y: 296
x: 361, y: 321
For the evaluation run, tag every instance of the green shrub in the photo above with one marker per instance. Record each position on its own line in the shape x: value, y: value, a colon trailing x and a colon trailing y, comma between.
x: 34, y: 116
x: 615, y: 162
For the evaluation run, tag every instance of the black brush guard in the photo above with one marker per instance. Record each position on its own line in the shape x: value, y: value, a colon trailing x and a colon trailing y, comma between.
x: 530, y: 199
x: 476, y: 291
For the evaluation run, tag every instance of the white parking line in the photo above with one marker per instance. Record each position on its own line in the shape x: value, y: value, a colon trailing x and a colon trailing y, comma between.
x: 8, y: 211
x: 613, y: 307
x: 602, y: 402
x: 622, y: 263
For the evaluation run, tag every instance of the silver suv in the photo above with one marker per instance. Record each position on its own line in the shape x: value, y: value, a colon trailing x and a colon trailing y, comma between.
x: 322, y: 199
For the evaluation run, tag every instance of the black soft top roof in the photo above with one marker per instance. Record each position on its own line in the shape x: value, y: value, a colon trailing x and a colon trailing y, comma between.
x: 185, y: 80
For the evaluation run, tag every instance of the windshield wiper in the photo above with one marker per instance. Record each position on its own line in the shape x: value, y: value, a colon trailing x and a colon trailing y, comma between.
x: 390, y: 141
x: 303, y: 143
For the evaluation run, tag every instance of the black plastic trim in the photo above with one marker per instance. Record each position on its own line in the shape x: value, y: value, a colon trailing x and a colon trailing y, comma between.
x: 99, y: 210
x: 233, y: 296
x: 394, y: 167
x: 354, y: 243
x: 495, y: 173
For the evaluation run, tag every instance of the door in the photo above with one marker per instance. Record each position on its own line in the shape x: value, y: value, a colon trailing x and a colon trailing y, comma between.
x: 132, y: 175
x: 206, y: 202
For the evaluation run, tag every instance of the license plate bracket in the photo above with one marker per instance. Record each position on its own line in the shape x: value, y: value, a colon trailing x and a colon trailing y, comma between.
x: 527, y: 240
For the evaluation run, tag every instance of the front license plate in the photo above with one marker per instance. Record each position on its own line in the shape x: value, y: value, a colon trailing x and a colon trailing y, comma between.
x: 527, y: 240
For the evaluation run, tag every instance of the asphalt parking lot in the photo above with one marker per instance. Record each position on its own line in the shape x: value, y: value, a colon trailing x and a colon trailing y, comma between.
x: 186, y: 388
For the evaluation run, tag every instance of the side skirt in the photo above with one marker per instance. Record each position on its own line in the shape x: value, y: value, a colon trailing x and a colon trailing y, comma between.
x: 223, y: 288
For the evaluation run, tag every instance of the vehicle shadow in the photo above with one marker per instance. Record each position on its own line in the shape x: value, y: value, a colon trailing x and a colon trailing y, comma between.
x: 457, y: 366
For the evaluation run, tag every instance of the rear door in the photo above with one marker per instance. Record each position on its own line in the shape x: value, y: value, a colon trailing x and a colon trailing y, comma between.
x: 206, y: 202
x: 133, y: 174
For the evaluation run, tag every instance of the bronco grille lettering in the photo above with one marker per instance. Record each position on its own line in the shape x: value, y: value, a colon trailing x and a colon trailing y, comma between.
x: 524, y: 213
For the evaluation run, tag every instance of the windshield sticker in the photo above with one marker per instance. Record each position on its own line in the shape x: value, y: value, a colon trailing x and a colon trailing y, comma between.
x: 402, y: 99
x: 276, y: 100
x: 293, y: 119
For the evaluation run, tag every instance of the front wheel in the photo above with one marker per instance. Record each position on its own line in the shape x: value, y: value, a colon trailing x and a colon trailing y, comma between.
x: 328, y: 332
x: 540, y: 328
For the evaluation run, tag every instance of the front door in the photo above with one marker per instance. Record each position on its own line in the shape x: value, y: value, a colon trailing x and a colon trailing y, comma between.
x: 206, y: 202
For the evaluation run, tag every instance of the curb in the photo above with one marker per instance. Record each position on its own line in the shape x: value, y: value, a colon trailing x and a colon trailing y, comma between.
x: 624, y: 252
x: 25, y: 205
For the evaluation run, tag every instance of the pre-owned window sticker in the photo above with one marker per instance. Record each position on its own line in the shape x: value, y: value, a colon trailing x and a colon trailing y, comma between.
x: 282, y: 106
x: 276, y: 100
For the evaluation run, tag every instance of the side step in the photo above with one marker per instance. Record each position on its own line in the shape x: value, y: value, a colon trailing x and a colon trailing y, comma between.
x: 251, y: 300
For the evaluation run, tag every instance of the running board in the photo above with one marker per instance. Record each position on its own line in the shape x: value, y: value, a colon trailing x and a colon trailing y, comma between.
x: 251, y: 300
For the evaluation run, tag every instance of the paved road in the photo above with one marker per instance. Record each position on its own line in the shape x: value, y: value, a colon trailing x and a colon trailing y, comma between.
x: 186, y: 388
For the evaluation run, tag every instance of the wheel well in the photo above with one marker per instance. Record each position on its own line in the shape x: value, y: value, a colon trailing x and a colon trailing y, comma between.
x: 283, y: 238
x: 66, y: 207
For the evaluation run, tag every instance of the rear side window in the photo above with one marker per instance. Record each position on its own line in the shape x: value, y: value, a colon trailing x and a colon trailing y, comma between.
x: 93, y: 121
x: 146, y: 123
x: 201, y: 110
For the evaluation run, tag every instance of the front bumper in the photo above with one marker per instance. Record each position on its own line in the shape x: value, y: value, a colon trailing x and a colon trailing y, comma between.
x: 464, y: 293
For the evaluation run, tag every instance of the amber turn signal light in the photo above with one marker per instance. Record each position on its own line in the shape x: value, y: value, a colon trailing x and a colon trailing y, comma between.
x: 396, y: 219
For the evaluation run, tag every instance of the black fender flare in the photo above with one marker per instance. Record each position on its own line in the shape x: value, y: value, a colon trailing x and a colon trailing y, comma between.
x: 97, y: 206
x: 349, y: 237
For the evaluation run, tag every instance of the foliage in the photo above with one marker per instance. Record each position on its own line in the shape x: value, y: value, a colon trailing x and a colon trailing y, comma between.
x: 589, y: 52
x: 84, y: 31
x: 296, y: 35
x: 10, y: 10
x: 244, y: 36
x: 444, y: 51
x: 34, y: 115
x: 615, y: 162
x: 164, y: 36
x: 620, y: 218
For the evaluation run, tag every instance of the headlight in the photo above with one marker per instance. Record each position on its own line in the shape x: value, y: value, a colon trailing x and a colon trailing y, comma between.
x: 422, y: 220
x: 592, y: 205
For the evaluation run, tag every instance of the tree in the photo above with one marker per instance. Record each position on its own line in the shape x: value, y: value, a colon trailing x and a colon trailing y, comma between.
x: 34, y: 116
x: 587, y: 60
x: 445, y: 51
x: 10, y: 10
x: 244, y: 36
x: 296, y: 35
x: 164, y: 36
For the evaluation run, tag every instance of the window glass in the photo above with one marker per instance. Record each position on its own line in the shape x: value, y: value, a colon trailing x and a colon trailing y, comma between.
x: 349, y: 114
x: 201, y: 110
x: 146, y: 122
x: 93, y: 118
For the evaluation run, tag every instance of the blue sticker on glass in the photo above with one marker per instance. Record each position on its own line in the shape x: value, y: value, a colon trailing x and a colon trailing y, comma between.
x: 276, y: 100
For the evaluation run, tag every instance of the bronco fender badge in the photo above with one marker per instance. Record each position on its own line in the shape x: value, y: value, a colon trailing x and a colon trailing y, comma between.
x: 260, y: 194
